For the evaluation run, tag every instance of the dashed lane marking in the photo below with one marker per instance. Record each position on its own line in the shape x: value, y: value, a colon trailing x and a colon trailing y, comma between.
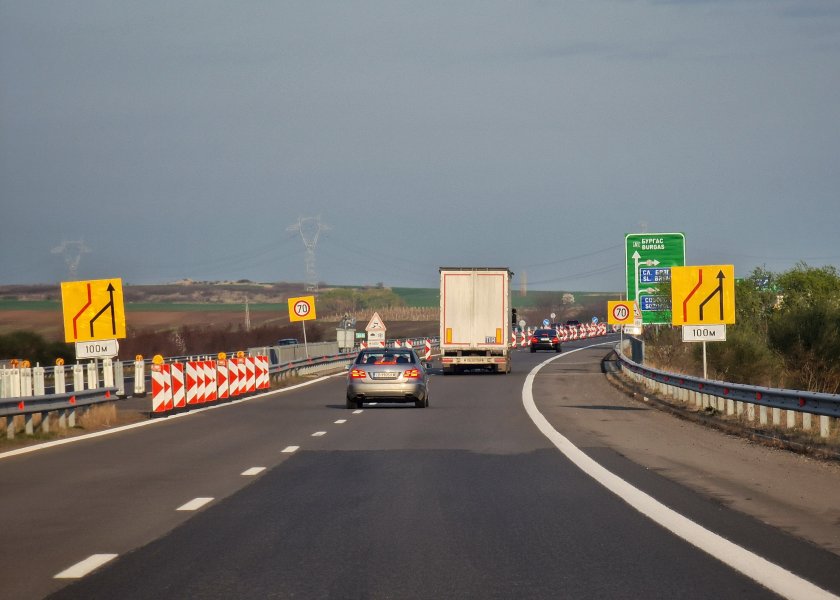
x: 195, y: 504
x: 84, y: 567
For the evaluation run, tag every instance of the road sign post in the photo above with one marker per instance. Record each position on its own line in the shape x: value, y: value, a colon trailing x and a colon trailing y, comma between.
x: 649, y: 258
x: 302, y: 308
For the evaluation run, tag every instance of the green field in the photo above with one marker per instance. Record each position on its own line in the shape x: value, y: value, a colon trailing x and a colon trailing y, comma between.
x: 54, y: 305
x: 414, y: 297
x: 430, y: 298
x: 419, y: 297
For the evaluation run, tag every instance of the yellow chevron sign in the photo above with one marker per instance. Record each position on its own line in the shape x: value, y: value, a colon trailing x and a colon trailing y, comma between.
x: 703, y: 295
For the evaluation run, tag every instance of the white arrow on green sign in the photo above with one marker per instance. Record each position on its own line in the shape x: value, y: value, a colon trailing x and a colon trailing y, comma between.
x: 649, y: 258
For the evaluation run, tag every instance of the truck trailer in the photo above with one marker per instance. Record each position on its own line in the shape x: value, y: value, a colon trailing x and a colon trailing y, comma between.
x: 475, y: 314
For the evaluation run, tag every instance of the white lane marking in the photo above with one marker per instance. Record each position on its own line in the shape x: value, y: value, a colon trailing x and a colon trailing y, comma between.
x: 319, y: 433
x: 151, y: 422
x: 84, y: 567
x: 765, y: 573
x: 341, y: 422
x: 253, y: 471
x: 290, y: 449
x: 358, y: 411
x: 195, y: 504
x: 373, y: 403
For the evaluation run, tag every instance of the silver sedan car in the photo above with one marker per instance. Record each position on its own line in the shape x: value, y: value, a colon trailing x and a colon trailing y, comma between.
x: 387, y: 374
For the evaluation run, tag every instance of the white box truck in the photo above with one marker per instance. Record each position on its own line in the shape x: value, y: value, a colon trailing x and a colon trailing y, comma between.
x: 475, y: 313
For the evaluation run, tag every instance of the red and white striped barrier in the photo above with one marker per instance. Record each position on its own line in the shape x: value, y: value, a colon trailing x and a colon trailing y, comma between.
x: 210, y: 391
x: 251, y: 374
x: 427, y: 347
x: 222, y: 383
x: 263, y: 374
x: 191, y: 380
x: 161, y: 389
x: 179, y: 399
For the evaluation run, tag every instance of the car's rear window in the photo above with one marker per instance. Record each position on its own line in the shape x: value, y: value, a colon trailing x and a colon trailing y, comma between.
x: 549, y: 332
x: 385, y: 358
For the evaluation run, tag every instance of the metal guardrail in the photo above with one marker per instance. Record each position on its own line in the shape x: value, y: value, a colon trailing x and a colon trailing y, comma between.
x: 731, y: 397
x: 64, y: 404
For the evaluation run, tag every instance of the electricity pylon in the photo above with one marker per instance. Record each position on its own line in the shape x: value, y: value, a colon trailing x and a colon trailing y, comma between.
x: 310, y: 229
x: 72, y: 252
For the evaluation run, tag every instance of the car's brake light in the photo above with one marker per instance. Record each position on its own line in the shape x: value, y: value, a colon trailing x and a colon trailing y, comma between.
x: 357, y: 374
x: 535, y: 340
x: 555, y: 340
x: 412, y: 374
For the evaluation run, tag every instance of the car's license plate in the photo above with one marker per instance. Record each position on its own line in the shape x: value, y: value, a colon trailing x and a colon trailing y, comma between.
x: 385, y: 375
x: 543, y: 339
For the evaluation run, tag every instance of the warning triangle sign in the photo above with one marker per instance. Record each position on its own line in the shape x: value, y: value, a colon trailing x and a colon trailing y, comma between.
x: 375, y: 323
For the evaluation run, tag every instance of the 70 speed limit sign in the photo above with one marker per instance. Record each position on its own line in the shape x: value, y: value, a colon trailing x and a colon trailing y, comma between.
x: 302, y: 308
x: 620, y: 312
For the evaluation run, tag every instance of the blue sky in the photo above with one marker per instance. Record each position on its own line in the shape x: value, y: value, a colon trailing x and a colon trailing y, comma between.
x: 183, y: 140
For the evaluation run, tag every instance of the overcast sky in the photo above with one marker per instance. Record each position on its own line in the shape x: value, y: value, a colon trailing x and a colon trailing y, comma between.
x: 184, y: 139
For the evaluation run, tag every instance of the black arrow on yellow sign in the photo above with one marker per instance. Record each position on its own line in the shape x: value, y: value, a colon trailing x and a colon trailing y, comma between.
x: 717, y: 291
x: 110, y: 304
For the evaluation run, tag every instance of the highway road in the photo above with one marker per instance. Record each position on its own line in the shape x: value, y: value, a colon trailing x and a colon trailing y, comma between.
x: 497, y: 490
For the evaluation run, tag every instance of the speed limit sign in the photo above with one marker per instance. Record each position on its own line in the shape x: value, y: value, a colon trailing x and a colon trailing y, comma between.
x: 302, y: 308
x: 620, y: 312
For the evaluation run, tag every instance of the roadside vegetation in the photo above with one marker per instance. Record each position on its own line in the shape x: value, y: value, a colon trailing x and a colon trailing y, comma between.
x: 786, y: 334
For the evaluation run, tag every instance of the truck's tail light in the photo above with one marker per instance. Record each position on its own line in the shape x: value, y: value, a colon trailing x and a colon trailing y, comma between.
x: 412, y: 374
x: 357, y: 374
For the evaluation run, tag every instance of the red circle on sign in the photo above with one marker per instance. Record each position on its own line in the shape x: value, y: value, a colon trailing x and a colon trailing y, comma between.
x: 620, y: 312
x: 302, y: 308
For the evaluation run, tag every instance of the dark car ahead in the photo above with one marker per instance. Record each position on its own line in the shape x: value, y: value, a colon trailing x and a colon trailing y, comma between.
x: 545, y: 339
x: 387, y: 374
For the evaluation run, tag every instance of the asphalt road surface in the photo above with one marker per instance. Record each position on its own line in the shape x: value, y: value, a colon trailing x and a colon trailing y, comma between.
x: 291, y: 495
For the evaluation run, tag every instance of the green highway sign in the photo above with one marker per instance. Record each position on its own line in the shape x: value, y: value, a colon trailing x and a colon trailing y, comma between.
x: 648, y: 261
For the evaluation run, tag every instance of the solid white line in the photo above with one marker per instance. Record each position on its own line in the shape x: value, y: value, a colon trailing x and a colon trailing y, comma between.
x: 195, y: 504
x: 319, y: 433
x: 158, y: 421
x: 341, y: 421
x: 767, y: 574
x: 253, y: 471
x: 290, y: 449
x: 81, y: 569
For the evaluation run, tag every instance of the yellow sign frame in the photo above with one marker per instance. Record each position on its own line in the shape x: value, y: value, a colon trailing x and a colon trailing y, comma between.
x: 614, y: 306
x: 296, y: 312
x: 703, y: 295
x: 93, y: 310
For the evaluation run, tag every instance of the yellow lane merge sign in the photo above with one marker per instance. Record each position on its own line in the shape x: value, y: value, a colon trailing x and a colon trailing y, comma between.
x: 703, y: 295
x: 301, y: 308
x: 621, y: 312
x: 93, y: 310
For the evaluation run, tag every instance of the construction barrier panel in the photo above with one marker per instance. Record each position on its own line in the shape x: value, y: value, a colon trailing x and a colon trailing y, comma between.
x: 179, y: 398
x: 222, y: 379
